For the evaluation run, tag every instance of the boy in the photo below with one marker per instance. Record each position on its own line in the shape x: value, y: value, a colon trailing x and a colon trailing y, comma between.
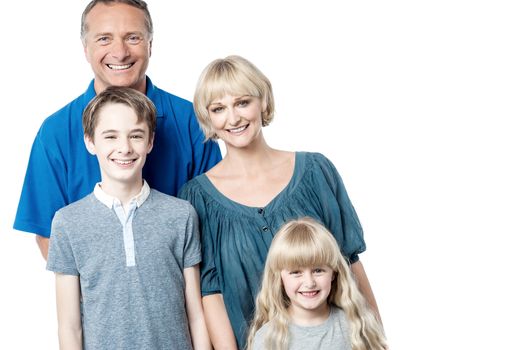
x: 129, y: 252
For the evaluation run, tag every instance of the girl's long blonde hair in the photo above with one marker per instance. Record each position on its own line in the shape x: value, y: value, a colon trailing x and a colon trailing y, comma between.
x: 306, y: 243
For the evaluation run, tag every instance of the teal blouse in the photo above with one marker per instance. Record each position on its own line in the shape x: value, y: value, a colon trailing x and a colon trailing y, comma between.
x: 235, y: 238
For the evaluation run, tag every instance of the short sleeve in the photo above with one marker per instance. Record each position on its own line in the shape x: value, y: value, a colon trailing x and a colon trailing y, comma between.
x: 43, y: 192
x: 345, y: 226
x: 209, y: 276
x: 60, y: 257
x: 192, y: 250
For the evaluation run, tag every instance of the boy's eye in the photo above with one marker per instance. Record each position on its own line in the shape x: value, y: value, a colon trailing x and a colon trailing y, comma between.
x: 110, y: 137
x: 136, y: 136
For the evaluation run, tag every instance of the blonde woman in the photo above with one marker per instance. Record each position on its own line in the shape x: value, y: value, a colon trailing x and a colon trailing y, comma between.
x: 243, y: 200
x: 308, y: 298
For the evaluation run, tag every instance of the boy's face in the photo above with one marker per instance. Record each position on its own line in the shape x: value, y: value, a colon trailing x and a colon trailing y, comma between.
x: 120, y: 144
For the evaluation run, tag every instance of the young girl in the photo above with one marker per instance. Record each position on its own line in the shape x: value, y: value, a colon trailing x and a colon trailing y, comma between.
x: 308, y: 298
x: 244, y: 200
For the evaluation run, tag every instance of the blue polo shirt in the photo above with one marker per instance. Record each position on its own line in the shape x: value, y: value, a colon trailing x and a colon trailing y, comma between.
x: 62, y: 171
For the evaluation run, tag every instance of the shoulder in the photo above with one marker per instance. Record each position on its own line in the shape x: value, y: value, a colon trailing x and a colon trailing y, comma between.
x: 259, y: 337
x: 75, y: 212
x: 318, y: 165
x: 316, y: 158
x: 193, y: 189
x: 65, y: 118
x: 338, y: 315
x: 170, y: 103
x: 166, y: 203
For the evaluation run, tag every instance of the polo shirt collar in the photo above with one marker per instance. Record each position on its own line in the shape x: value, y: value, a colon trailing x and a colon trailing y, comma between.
x: 111, y: 202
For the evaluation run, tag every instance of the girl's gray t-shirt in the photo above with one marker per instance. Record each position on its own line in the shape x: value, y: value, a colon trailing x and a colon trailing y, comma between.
x: 333, y: 334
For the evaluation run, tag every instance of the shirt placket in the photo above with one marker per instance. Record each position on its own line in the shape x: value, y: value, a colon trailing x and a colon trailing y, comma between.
x: 264, y: 226
x: 126, y: 220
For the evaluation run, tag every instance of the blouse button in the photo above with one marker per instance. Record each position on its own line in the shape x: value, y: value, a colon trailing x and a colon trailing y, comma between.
x: 260, y: 211
x: 265, y: 228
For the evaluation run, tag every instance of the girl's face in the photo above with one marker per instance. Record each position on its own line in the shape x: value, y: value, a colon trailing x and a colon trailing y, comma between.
x: 237, y: 120
x: 308, y: 290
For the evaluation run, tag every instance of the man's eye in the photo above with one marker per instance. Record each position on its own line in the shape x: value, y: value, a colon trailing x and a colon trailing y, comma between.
x: 134, y: 39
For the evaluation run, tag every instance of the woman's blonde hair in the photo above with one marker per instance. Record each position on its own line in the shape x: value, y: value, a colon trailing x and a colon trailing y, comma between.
x: 232, y: 75
x: 305, y: 243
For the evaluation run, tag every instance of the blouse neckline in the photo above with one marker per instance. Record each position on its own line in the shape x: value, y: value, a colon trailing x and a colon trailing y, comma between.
x: 299, y: 166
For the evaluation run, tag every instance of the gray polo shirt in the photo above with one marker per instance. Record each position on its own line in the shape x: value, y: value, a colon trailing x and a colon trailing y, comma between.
x: 125, y: 305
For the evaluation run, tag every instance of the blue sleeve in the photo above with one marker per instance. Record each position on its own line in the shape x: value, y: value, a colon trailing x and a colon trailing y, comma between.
x: 60, y: 257
x: 205, y: 154
x: 349, y: 232
x: 44, y: 189
x: 209, y: 277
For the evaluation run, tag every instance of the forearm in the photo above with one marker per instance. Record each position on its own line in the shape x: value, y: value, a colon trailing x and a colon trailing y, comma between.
x: 194, y: 309
x: 70, y: 338
x: 68, y: 312
x: 43, y: 245
x: 199, y: 334
x: 218, y: 323
x: 365, y: 287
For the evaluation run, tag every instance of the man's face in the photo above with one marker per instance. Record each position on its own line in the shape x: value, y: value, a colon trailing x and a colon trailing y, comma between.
x: 117, y: 46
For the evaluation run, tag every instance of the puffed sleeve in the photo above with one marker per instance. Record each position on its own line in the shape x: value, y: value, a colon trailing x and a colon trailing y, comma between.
x: 340, y: 215
x: 210, y: 284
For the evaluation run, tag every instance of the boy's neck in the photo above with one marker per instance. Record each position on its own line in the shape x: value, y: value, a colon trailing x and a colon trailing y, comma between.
x: 124, y: 192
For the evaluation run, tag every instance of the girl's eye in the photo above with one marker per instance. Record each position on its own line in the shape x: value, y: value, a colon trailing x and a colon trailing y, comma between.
x: 216, y: 109
x: 318, y: 270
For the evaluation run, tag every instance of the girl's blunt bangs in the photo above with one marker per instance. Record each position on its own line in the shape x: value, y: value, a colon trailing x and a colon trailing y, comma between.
x: 303, y: 248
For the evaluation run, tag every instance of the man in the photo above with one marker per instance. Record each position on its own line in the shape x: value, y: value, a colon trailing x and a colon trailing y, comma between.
x: 117, y: 37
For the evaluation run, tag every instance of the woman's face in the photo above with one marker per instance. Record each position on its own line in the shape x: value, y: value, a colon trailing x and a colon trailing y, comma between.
x: 237, y: 120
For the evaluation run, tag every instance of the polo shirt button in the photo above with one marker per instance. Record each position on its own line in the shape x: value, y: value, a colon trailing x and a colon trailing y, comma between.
x: 265, y: 228
x: 260, y: 211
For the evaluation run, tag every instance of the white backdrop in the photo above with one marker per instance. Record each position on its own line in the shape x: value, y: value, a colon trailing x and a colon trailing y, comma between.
x: 420, y: 105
